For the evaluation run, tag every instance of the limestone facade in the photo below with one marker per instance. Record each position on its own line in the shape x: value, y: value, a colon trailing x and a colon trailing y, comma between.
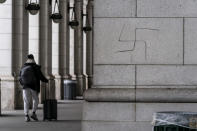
x: 144, y: 61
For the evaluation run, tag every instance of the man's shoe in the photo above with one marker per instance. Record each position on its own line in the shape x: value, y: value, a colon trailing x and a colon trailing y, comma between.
x: 34, y: 117
x: 27, y: 119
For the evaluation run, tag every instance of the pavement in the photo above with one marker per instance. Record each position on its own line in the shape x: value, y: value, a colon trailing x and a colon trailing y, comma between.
x: 69, y: 119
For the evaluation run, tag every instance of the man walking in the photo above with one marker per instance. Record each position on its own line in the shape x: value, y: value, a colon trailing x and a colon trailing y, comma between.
x: 30, y: 76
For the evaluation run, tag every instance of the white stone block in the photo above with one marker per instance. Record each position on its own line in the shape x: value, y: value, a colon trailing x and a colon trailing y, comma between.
x: 34, y: 20
x: 34, y: 33
x: 114, y: 8
x: 6, y: 26
x: 114, y: 75
x: 34, y: 46
x: 55, y: 38
x: 55, y: 49
x: 115, y: 126
x: 108, y: 111
x: 6, y: 41
x: 5, y: 71
x: 158, y: 41
x: 7, y: 94
x: 55, y: 61
x: 5, y: 11
x: 55, y: 28
x: 166, y: 75
x: 166, y: 8
x: 144, y: 111
x: 190, y: 41
x: 6, y: 58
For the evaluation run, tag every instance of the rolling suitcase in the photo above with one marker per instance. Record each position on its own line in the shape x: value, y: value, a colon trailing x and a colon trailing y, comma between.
x: 49, y: 108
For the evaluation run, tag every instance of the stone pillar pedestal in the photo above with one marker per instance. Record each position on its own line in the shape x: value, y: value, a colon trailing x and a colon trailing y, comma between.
x: 58, y: 87
x: 8, y: 93
x: 78, y: 48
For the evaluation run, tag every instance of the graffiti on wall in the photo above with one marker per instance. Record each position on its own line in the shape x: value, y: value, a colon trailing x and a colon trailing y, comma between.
x: 135, y: 41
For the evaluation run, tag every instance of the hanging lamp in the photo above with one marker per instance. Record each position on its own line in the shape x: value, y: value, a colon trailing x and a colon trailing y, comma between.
x: 33, y: 7
x: 73, y: 23
x: 87, y: 28
x: 56, y: 16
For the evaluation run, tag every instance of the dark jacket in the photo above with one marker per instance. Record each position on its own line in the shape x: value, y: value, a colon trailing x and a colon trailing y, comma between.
x: 38, y: 74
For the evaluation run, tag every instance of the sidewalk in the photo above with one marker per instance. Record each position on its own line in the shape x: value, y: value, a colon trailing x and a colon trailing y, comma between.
x: 69, y: 119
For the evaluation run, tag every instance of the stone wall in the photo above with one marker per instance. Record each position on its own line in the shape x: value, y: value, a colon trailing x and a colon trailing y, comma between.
x: 149, y: 48
x: 7, y: 86
x: 6, y: 38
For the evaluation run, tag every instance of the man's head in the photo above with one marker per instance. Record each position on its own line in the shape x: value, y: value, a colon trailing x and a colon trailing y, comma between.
x: 30, y: 59
x: 30, y: 56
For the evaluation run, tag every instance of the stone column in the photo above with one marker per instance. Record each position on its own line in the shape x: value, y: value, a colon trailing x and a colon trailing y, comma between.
x: 78, y: 48
x: 64, y: 47
x: 89, y: 47
x: 45, y: 47
x: 19, y: 45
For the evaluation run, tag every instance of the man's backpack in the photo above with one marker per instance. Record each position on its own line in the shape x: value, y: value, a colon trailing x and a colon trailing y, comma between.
x: 27, y: 76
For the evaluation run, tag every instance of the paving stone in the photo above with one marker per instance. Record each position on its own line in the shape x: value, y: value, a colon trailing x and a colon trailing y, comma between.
x: 116, y: 126
x: 108, y: 111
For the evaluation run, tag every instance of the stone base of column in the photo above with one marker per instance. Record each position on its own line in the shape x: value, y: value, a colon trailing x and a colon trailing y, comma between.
x: 58, y: 87
x: 47, y: 90
x: 73, y: 77
x: 81, y: 82
x: 90, y: 82
x: 11, y: 93
x: 85, y: 83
